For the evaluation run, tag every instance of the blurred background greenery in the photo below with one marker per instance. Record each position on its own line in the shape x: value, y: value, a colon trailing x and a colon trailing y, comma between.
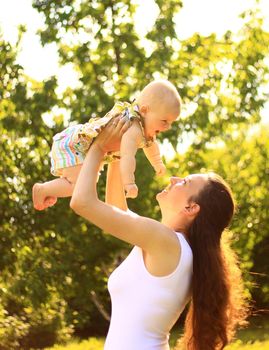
x: 54, y: 265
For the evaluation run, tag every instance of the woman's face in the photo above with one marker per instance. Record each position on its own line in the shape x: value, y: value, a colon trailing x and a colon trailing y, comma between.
x: 176, y: 196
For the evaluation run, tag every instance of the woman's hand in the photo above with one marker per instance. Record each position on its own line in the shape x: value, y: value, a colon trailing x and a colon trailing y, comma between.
x: 110, y: 137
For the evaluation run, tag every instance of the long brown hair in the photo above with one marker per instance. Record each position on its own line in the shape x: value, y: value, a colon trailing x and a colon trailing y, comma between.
x: 218, y: 302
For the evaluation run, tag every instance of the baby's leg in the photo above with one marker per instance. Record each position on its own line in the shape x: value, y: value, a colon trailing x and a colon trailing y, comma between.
x: 46, y: 194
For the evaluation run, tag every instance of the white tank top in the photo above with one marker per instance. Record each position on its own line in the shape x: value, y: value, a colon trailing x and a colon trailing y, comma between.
x: 145, y: 307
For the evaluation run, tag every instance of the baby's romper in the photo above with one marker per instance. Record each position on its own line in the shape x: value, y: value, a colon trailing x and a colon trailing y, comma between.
x: 70, y: 146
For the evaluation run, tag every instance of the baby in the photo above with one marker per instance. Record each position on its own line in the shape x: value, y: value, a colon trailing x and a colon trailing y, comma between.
x: 156, y: 108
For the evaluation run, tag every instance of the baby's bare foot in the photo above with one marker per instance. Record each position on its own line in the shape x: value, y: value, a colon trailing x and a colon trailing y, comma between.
x: 38, y: 196
x: 40, y: 200
x: 50, y: 201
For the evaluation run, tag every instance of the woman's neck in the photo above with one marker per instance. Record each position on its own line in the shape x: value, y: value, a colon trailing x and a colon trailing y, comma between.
x: 173, y: 224
x: 176, y: 225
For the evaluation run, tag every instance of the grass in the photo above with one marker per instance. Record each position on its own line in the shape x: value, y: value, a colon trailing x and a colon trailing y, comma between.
x: 255, y: 337
x: 98, y: 344
x: 90, y: 344
x: 257, y: 345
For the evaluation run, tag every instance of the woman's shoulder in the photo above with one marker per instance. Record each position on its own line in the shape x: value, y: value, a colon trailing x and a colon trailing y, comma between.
x: 166, y: 258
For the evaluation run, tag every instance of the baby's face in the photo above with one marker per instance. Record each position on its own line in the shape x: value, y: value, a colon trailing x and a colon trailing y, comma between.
x: 157, y: 121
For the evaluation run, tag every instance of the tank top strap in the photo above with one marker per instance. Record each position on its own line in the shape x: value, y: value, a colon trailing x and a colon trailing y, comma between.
x: 186, y: 251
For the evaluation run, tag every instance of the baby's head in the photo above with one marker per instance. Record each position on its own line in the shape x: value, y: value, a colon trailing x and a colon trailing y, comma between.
x: 159, y: 103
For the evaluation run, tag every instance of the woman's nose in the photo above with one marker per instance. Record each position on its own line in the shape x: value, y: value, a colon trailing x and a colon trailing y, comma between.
x: 174, y: 179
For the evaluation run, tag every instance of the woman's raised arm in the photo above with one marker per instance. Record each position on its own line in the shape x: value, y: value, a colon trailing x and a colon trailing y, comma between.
x: 114, y: 187
x: 146, y: 233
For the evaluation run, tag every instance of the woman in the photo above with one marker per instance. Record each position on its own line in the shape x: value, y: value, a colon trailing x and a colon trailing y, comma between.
x: 174, y: 261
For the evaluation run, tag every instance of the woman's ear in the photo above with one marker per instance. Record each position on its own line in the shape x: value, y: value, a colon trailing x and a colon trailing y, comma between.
x: 192, y: 209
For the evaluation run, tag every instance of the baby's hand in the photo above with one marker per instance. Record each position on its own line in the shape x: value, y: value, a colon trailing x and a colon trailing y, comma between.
x: 160, y: 169
x: 131, y: 190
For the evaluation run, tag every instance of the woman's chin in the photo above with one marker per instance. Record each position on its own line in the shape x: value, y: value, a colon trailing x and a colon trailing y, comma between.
x: 160, y: 194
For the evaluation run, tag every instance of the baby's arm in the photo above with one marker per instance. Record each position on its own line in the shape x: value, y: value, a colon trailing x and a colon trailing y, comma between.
x: 153, y: 154
x: 129, y: 144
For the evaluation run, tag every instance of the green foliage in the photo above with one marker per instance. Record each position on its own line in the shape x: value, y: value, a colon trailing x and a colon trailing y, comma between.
x: 54, y: 266
x: 26, y: 328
